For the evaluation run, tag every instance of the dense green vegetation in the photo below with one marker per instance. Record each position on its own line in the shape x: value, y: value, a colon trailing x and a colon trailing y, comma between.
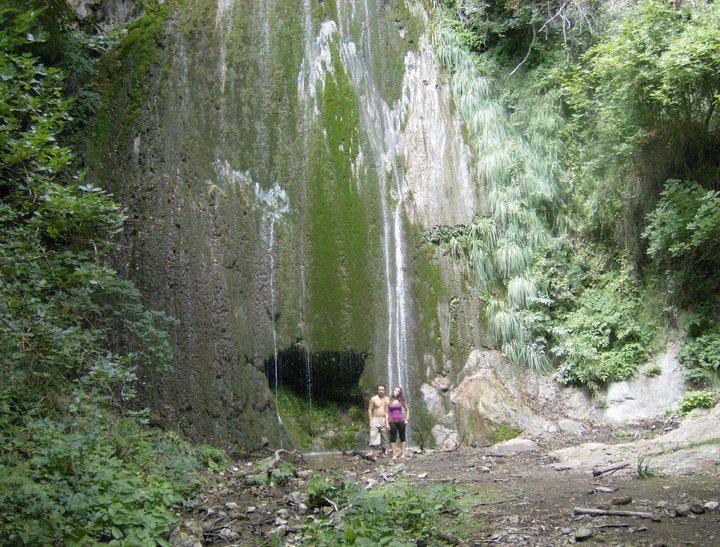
x: 595, y: 132
x: 393, y: 514
x: 77, y: 462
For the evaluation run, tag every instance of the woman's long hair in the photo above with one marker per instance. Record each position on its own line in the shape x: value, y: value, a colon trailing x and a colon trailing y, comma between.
x: 400, y: 395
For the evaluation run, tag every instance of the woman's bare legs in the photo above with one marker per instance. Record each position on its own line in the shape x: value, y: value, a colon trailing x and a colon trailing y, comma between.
x: 394, y: 450
x: 403, y: 454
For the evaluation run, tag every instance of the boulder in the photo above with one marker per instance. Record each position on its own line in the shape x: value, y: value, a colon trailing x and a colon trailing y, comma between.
x: 445, y: 438
x: 513, y: 447
x: 188, y: 534
x: 433, y: 402
x: 491, y: 396
x: 443, y: 384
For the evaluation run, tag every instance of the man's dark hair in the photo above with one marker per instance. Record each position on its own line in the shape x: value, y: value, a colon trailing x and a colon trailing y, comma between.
x: 381, y: 385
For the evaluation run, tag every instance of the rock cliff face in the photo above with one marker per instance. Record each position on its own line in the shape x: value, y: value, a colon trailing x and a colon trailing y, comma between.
x: 279, y: 161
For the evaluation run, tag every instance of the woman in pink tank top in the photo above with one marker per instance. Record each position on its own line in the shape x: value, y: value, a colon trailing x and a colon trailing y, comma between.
x: 398, y: 421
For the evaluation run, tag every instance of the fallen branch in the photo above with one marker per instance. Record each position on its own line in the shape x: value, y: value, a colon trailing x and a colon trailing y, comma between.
x: 613, y: 525
x: 598, y: 472
x: 221, y: 527
x: 359, y: 454
x: 612, y: 513
x: 331, y: 502
x: 497, y: 502
x: 452, y: 540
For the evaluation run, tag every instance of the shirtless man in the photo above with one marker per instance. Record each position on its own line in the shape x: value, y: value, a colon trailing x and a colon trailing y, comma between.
x: 378, y: 418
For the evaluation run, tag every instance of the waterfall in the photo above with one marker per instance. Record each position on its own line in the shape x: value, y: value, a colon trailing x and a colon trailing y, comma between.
x: 383, y: 126
x: 273, y: 204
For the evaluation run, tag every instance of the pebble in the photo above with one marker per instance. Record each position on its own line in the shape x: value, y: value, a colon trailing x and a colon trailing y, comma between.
x: 484, y: 469
x: 682, y: 510
x: 231, y: 505
x: 282, y: 513
x: 297, y: 498
x: 250, y: 509
x: 712, y: 505
x: 229, y: 535
x: 697, y: 508
x: 623, y: 500
x: 557, y: 467
x: 422, y: 476
x: 583, y: 534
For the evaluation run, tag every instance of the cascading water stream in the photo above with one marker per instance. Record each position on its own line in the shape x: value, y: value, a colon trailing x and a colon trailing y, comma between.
x: 383, y: 127
x: 271, y: 259
x: 273, y: 204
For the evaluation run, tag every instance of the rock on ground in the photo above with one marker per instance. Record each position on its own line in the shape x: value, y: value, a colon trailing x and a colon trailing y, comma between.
x: 692, y: 447
x: 513, y: 447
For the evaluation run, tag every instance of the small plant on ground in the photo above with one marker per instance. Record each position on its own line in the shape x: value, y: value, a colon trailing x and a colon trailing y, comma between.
x: 272, y: 472
x: 695, y: 399
x: 644, y: 471
x: 319, y: 490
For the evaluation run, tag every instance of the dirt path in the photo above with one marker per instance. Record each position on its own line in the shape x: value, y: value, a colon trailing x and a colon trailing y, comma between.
x: 529, y: 499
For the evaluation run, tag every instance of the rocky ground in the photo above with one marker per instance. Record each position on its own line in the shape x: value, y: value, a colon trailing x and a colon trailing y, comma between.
x: 526, y: 492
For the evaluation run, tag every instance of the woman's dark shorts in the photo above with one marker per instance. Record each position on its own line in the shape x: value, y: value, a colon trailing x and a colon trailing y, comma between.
x: 395, y: 429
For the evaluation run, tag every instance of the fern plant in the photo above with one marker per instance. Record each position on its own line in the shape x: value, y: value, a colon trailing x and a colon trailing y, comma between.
x: 520, y: 178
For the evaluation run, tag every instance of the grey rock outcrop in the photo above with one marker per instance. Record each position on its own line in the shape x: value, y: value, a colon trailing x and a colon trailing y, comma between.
x: 690, y: 448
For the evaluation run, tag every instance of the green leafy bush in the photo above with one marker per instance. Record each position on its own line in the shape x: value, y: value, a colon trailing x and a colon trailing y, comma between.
x: 604, y: 338
x: 695, y: 399
x: 319, y: 489
x: 76, y: 466
x: 701, y: 357
x: 396, y: 514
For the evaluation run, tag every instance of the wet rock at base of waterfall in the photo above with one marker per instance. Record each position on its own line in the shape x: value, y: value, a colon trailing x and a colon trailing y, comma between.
x: 443, y: 384
x: 712, y: 505
x: 513, y: 447
x: 682, y: 510
x: 445, y: 438
x: 583, y: 534
x: 188, y: 534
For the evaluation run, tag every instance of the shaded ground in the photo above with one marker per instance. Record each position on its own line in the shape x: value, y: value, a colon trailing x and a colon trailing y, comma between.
x: 521, y: 499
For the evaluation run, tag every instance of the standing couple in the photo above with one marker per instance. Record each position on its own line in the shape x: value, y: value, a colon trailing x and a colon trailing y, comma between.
x: 386, y: 413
